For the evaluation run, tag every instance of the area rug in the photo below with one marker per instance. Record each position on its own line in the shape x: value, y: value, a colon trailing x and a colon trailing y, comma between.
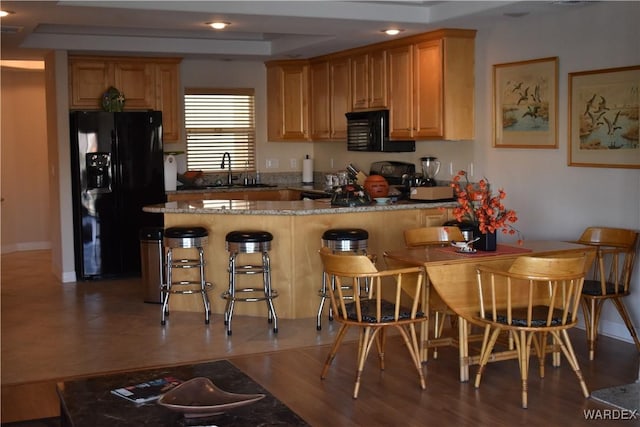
x: 622, y: 397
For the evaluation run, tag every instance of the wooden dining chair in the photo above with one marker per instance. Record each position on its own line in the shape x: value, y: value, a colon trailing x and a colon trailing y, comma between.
x: 536, y: 298
x: 608, y: 278
x: 431, y: 236
x: 375, y: 310
x: 435, y: 235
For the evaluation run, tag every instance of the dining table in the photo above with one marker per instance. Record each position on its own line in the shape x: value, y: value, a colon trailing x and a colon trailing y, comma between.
x: 451, y: 273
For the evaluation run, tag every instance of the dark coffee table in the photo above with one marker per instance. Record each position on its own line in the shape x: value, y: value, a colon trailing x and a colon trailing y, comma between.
x: 89, y: 402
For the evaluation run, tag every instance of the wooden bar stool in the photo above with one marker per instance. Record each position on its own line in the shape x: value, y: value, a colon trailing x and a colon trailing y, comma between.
x: 247, y: 242
x: 185, y: 238
x: 340, y: 240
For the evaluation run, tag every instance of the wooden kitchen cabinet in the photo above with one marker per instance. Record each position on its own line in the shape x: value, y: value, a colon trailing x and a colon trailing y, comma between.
x: 287, y: 100
x: 435, y: 217
x: 426, y: 81
x: 330, y: 90
x: 339, y: 96
x: 369, y: 80
x: 136, y: 80
x: 360, y: 81
x: 147, y: 84
x: 400, y: 82
x: 378, y: 79
x: 320, y: 109
x: 444, y: 90
x: 88, y: 80
x: 169, y: 99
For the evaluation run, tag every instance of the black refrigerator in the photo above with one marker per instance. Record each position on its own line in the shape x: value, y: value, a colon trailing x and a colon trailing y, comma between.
x: 117, y: 168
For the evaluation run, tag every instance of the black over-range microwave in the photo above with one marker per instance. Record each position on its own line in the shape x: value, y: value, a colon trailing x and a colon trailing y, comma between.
x: 369, y: 131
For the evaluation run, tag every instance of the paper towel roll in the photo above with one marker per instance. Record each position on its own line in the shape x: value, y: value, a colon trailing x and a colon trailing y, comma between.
x: 170, y: 173
x: 307, y: 171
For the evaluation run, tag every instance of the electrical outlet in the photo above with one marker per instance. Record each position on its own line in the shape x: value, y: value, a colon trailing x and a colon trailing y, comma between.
x: 293, y: 163
x: 451, y: 168
x: 331, y: 163
x: 471, y: 169
x: 272, y: 163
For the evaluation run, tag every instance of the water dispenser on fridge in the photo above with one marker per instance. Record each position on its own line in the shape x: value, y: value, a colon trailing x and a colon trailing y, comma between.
x: 98, y: 171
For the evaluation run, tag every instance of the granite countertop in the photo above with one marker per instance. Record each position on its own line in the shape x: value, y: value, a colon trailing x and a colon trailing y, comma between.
x: 260, y: 187
x: 296, y: 207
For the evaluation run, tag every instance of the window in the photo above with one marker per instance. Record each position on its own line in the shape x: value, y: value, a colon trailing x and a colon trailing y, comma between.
x: 219, y: 121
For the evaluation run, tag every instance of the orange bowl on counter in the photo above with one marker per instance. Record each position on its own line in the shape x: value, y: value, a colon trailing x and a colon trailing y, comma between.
x: 376, y: 186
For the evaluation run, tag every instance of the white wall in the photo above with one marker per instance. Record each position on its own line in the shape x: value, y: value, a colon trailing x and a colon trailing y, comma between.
x: 553, y: 200
x: 25, y: 196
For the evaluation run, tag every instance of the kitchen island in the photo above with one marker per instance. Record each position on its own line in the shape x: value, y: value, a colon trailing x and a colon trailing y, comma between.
x: 297, y: 228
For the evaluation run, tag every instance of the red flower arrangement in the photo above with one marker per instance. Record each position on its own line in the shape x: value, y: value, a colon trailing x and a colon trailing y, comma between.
x: 479, y: 206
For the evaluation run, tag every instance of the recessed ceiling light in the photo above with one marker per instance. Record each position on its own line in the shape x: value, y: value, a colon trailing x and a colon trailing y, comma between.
x: 392, y: 31
x: 218, y: 25
x: 4, y: 13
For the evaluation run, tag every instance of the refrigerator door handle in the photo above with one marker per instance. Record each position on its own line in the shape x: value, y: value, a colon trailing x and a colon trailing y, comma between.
x: 117, y: 168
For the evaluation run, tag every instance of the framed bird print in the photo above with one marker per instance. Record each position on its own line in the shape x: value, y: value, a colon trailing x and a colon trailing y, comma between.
x: 525, y: 104
x: 604, y: 106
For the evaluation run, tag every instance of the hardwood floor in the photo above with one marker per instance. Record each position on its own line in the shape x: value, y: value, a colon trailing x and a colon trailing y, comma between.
x: 52, y: 331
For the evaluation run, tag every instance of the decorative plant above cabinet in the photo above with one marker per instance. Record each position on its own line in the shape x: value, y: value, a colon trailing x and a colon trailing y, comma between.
x: 113, y: 100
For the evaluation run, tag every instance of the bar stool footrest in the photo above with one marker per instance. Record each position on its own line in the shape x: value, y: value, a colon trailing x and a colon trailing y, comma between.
x: 208, y: 286
x: 249, y: 269
x: 274, y: 294
x: 185, y: 263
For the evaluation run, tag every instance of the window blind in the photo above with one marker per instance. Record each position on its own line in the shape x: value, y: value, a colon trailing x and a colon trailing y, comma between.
x: 219, y: 121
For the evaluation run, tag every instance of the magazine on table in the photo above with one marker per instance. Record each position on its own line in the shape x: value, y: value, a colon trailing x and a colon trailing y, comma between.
x: 147, y: 391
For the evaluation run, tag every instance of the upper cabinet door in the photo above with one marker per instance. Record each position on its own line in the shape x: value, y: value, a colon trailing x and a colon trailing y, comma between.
x: 319, y: 89
x: 400, y: 81
x: 330, y: 89
x: 136, y: 80
x: 378, y: 79
x: 168, y: 99
x: 369, y: 80
x: 360, y: 81
x: 287, y: 97
x: 88, y: 80
x: 428, y: 120
x: 444, y: 87
x: 339, y: 96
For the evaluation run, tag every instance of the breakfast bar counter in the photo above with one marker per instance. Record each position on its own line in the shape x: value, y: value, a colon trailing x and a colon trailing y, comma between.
x: 297, y: 228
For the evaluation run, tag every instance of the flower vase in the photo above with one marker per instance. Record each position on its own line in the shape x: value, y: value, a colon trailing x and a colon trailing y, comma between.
x: 487, y: 241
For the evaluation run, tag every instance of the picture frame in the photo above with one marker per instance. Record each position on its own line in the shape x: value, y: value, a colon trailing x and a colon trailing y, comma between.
x: 525, y: 104
x: 604, y: 106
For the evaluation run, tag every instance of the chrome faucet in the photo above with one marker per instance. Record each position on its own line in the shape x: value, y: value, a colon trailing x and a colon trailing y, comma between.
x: 229, y: 176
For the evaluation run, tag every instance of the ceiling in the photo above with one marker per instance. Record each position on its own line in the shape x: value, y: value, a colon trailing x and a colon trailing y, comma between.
x: 259, y: 30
